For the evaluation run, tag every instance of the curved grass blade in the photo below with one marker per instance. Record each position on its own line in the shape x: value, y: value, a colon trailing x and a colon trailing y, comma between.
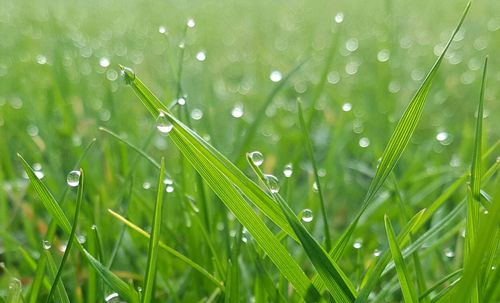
x: 154, y: 240
x: 60, y: 291
x: 332, y: 275
x: 408, y: 290
x: 52, y: 206
x: 71, y: 239
x: 440, y: 283
x: 397, y: 143
x: 307, y: 139
x: 170, y: 250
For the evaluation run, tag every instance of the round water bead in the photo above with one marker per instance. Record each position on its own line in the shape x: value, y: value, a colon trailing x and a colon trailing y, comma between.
x: 306, y: 215
x: 163, y: 124
x: 73, y: 178
x: 272, y: 183
x: 256, y: 157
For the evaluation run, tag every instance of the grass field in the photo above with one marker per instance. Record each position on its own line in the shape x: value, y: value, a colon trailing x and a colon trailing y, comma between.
x: 235, y: 151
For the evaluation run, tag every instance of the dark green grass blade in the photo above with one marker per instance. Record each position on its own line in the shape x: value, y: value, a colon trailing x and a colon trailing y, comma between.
x: 233, y: 276
x: 408, y: 290
x: 52, y: 206
x: 310, y: 151
x: 477, y: 155
x: 333, y: 277
x: 397, y: 143
x: 154, y: 240
x: 71, y: 239
x: 60, y: 292
x: 170, y: 250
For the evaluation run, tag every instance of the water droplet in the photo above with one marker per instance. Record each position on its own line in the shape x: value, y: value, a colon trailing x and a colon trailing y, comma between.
x: 196, y: 114
x: 275, y: 76
x: 32, y: 130
x: 81, y: 239
x: 146, y: 185
x: 444, y: 138
x: 352, y: 44
x: 357, y: 244
x: 191, y: 23
x: 41, y: 59
x: 93, y: 227
x: 162, y: 29
x: 288, y: 170
x: 449, y: 253
x: 377, y: 252
x: 181, y: 101
x: 315, y: 186
x: 128, y: 74
x: 272, y: 183
x: 237, y: 111
x: 201, y: 56
x: 168, y: 181
x: 62, y: 247
x: 104, y: 62
x: 163, y: 124
x: 257, y: 158
x: 46, y: 244
x: 112, y: 298
x: 339, y: 17
x: 347, y: 107
x: 306, y: 215
x: 73, y: 178
x: 169, y: 188
x: 333, y: 77
x: 364, y: 142
x: 383, y: 55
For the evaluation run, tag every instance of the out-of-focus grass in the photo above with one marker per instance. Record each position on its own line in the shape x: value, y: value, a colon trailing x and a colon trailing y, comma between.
x: 60, y: 82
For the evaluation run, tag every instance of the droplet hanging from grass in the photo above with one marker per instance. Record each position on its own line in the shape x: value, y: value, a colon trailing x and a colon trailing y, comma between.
x: 162, y: 124
x: 237, y: 111
x: 46, y: 244
x: 275, y: 76
x: 257, y: 158
x: 201, y: 56
x: 112, y: 298
x: 272, y: 183
x: 288, y: 170
x: 306, y: 215
x: 73, y: 178
x: 128, y: 74
x: 357, y: 244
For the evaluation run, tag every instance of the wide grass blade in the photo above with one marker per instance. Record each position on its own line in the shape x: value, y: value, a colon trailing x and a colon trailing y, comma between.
x: 52, y: 206
x: 397, y: 143
x: 310, y: 151
x: 71, y: 239
x: 408, y: 290
x: 154, y: 240
x: 234, y: 188
x: 334, y: 278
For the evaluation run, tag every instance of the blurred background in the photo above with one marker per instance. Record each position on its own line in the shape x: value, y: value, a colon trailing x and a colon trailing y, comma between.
x: 357, y: 65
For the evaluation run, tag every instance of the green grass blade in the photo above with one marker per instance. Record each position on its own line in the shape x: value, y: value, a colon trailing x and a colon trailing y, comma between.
x: 397, y: 143
x: 408, y: 290
x: 440, y: 283
x: 477, y: 155
x: 333, y: 277
x: 233, y: 276
x: 307, y: 139
x: 71, y: 239
x: 170, y: 250
x: 154, y: 240
x: 52, y: 206
x: 60, y: 292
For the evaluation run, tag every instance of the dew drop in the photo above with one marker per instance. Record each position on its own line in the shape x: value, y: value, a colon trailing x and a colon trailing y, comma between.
x: 237, y: 111
x: 128, y: 74
x: 364, y: 142
x: 272, y: 183
x: 201, y: 56
x: 39, y: 174
x: 288, y: 170
x: 104, y: 62
x: 41, y: 59
x: 196, y: 114
x: 383, y: 55
x: 168, y: 181
x: 315, y: 186
x: 46, y: 244
x: 112, y: 298
x: 146, y: 185
x: 377, y: 252
x: 169, y: 188
x: 73, y: 178
x: 191, y: 23
x: 275, y: 76
x: 339, y: 17
x: 357, y: 244
x: 163, y: 124
x: 81, y: 239
x: 306, y: 215
x: 181, y: 101
x: 352, y: 44
x: 444, y: 138
x: 347, y: 107
x: 162, y: 29
x: 257, y: 158
x: 449, y: 253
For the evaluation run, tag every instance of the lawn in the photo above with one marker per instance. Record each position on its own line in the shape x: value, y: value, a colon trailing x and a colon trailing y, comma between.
x: 235, y: 151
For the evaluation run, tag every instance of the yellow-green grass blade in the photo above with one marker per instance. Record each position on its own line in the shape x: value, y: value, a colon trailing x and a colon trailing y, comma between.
x: 334, y: 279
x: 170, y: 250
x: 236, y: 176
x: 397, y: 143
x: 154, y: 240
x: 71, y: 239
x: 52, y: 206
x: 407, y: 288
x: 310, y: 151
